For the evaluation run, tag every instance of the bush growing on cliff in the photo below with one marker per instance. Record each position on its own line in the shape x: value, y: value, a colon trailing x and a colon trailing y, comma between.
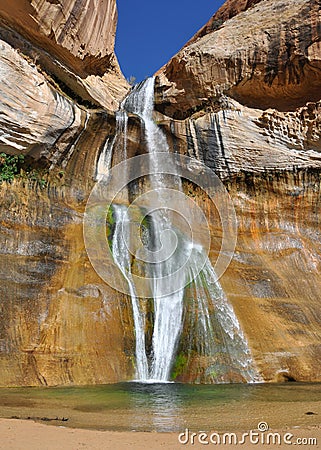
x: 14, y: 166
x: 10, y: 166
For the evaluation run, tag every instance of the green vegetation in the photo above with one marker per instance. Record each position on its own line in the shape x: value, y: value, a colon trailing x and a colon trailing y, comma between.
x: 145, y: 222
x: 110, y: 216
x: 10, y: 166
x: 36, y: 175
x: 179, y: 365
x: 14, y: 166
x: 110, y: 226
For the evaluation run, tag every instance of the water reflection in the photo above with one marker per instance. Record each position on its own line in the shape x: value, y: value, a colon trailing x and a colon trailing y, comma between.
x: 156, y: 406
x: 168, y: 407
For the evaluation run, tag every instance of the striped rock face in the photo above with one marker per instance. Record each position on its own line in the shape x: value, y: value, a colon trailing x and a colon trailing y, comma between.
x: 57, y: 60
x: 242, y: 96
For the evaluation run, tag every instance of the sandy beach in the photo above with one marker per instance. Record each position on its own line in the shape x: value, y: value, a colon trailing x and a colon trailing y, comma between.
x: 28, y: 435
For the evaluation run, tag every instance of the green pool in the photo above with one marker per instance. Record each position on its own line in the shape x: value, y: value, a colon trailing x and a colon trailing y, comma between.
x: 167, y: 407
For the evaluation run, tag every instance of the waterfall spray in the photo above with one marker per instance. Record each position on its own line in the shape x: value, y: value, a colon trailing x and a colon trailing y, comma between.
x: 216, y: 323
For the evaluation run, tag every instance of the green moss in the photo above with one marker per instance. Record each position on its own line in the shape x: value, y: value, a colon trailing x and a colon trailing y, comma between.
x: 179, y: 365
x: 110, y: 219
x: 110, y: 216
x: 145, y: 222
x: 212, y: 373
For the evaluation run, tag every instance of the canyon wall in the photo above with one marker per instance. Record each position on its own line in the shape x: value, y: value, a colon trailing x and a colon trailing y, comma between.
x: 243, y: 96
x: 265, y: 57
x: 273, y: 279
x: 60, y: 85
x: 57, y: 63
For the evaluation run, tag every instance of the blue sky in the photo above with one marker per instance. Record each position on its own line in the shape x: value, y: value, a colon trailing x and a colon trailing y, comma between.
x: 150, y: 32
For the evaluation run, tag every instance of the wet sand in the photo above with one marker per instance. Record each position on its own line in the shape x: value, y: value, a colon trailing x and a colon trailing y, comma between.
x: 27, y: 435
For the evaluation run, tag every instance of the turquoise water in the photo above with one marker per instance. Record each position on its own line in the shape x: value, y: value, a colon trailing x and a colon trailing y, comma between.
x: 167, y: 407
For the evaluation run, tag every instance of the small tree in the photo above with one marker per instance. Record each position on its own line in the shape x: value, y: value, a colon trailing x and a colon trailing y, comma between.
x: 132, y: 80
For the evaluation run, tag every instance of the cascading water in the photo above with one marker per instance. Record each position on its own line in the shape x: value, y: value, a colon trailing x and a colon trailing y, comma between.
x: 105, y: 158
x: 219, y: 331
x: 168, y: 309
x: 122, y: 258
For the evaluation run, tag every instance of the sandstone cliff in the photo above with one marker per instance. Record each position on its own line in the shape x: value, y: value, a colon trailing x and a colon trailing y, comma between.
x: 60, y: 85
x: 70, y: 40
x: 57, y: 60
x: 243, y: 96
x: 271, y: 62
x: 228, y: 10
x: 258, y: 71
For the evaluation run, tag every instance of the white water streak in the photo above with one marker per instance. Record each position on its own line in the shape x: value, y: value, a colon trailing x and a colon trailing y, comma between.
x: 105, y: 157
x: 168, y: 310
x: 122, y: 259
x: 216, y: 323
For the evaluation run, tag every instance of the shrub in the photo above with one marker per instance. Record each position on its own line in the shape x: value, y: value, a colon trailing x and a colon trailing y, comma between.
x: 10, y: 166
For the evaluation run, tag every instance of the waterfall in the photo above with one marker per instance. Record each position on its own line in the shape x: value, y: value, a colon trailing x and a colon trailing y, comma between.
x: 105, y: 157
x: 221, y: 334
x: 168, y: 309
x: 215, y: 322
x: 122, y: 258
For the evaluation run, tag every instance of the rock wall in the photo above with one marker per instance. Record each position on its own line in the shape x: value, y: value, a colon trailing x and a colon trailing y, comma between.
x: 265, y: 57
x: 60, y: 324
x: 273, y: 279
x: 33, y: 114
x: 228, y: 10
x: 60, y: 85
x: 243, y: 96
x: 83, y: 27
x: 56, y: 64
x: 237, y: 138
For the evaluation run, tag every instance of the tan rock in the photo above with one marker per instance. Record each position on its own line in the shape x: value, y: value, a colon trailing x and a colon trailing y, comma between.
x: 53, y: 56
x: 238, y: 138
x: 72, y: 41
x: 244, y: 97
x: 60, y: 324
x: 273, y: 280
x: 260, y: 57
x: 228, y: 10
x: 86, y: 28
x: 33, y: 115
x: 217, y: 88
